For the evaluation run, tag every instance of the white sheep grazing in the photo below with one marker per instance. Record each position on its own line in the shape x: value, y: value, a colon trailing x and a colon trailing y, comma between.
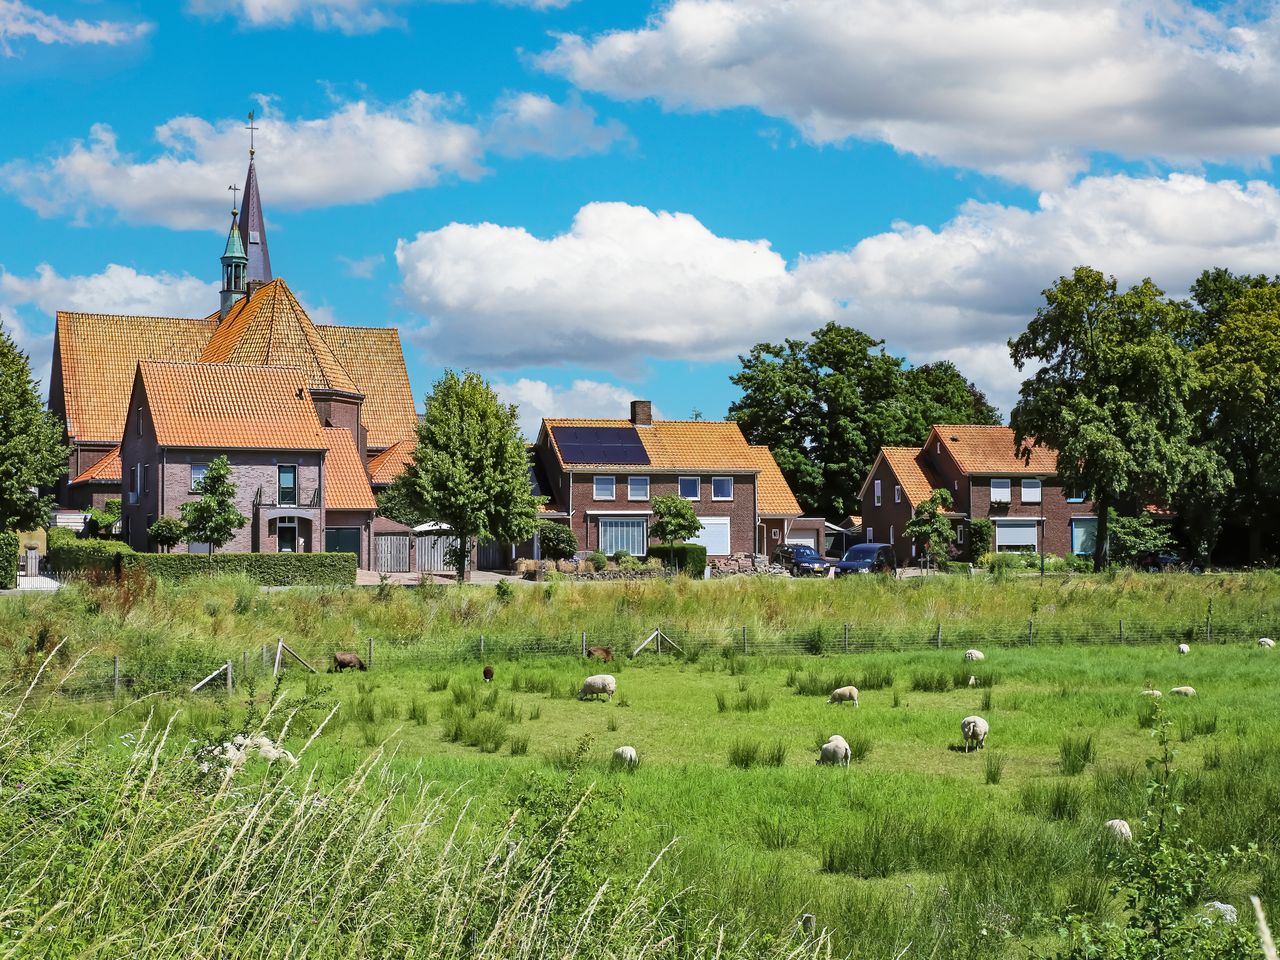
x: 1183, y: 691
x: 834, y: 752
x: 601, y: 683
x: 1120, y: 829
x: 973, y: 681
x: 1153, y: 694
x: 973, y: 655
x: 836, y: 738
x: 1266, y: 643
x: 844, y: 695
x: 975, y: 731
x: 1183, y: 649
x: 626, y: 757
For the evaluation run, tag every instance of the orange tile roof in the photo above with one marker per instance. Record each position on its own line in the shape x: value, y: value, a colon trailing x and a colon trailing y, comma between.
x: 374, y: 358
x: 990, y: 450
x: 346, y: 484
x: 270, y: 328
x: 230, y: 405
x: 106, y: 470
x: 917, y: 485
x: 97, y: 355
x: 773, y: 494
x: 391, y: 462
x: 700, y: 445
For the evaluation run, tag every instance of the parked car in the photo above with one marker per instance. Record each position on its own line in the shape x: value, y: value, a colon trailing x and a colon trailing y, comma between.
x: 801, y: 560
x: 867, y: 558
x: 1160, y: 561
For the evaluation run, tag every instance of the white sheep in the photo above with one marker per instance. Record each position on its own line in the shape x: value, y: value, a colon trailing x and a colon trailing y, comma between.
x: 1120, y: 829
x: 973, y: 681
x: 844, y: 695
x: 834, y: 752
x: 1183, y: 691
x: 1153, y: 694
x: 601, y: 683
x: 626, y: 757
x: 1266, y: 643
x: 974, y: 730
x: 1183, y: 649
x: 974, y: 655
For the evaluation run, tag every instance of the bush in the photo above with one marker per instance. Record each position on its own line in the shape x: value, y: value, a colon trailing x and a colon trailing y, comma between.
x: 556, y: 541
x: 597, y: 560
x: 687, y: 558
x: 8, y: 561
x: 71, y: 554
x: 269, y: 569
x: 981, y: 536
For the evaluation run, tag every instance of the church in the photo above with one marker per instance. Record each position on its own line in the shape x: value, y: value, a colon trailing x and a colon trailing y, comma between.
x: 311, y: 417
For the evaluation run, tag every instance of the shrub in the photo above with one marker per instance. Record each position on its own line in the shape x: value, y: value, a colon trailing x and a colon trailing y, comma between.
x: 519, y: 746
x: 71, y: 554
x: 557, y: 541
x: 814, y: 642
x: 597, y: 560
x: 859, y: 747
x: 993, y: 767
x: 166, y: 532
x: 1074, y: 754
x: 487, y: 732
x: 504, y: 592
x: 751, y: 702
x: 744, y: 754
x: 687, y: 558
x: 981, y: 536
x: 774, y: 756
x: 8, y: 561
x: 939, y: 682
x: 268, y: 569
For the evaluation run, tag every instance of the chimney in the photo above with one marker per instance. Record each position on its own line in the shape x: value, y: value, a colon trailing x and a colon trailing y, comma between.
x: 641, y: 413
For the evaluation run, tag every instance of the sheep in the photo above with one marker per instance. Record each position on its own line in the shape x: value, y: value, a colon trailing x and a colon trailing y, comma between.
x: 625, y: 757
x: 974, y: 730
x: 1153, y: 694
x: 594, y: 686
x: 1120, y: 829
x: 844, y: 695
x: 488, y: 674
x: 1266, y: 643
x: 342, y: 660
x: 1183, y: 691
x: 834, y: 752
x: 974, y: 655
x: 603, y: 654
x: 1183, y: 649
x: 973, y: 681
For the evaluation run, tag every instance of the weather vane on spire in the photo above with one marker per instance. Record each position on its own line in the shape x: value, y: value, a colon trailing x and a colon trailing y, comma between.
x: 251, y: 128
x: 235, y: 192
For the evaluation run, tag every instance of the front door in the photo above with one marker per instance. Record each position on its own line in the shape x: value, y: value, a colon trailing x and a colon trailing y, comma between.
x: 286, y: 537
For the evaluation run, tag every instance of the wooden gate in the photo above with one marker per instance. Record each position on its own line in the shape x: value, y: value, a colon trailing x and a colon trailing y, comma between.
x: 392, y: 553
x: 432, y: 555
x: 493, y: 556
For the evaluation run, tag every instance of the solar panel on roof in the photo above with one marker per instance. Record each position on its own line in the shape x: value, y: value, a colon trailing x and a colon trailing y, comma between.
x: 600, y: 445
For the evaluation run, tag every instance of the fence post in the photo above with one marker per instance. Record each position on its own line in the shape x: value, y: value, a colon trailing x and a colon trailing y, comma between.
x: 744, y: 638
x: 115, y: 676
x: 1122, y: 631
x: 369, y: 662
x: 1031, y: 632
x: 1208, y: 624
x: 937, y: 637
x: 846, y: 638
x: 482, y: 646
x: 230, y: 682
x: 584, y: 643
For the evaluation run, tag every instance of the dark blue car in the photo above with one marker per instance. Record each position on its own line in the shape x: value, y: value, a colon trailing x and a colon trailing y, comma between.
x: 867, y: 558
x: 801, y: 560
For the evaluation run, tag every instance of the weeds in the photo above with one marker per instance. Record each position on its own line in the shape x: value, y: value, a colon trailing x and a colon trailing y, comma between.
x: 993, y: 767
x: 776, y: 831
x: 1074, y: 754
x: 744, y: 754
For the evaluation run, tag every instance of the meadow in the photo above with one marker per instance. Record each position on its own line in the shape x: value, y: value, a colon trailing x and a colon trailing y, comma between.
x: 918, y: 849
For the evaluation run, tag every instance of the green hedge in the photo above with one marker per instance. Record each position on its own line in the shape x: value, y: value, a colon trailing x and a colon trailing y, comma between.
x: 70, y: 553
x: 688, y: 558
x: 8, y: 561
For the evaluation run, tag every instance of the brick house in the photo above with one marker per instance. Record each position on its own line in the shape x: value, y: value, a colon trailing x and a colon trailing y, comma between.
x: 600, y: 477
x: 1021, y: 495
x: 303, y: 486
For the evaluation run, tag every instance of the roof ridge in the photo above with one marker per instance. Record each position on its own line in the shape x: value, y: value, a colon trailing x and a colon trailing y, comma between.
x: 131, y: 316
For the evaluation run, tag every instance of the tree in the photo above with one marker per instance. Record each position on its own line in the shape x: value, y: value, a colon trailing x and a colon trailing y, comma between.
x: 982, y: 534
x: 556, y: 541
x: 212, y: 518
x: 673, y: 519
x: 940, y: 393
x: 32, y: 454
x: 471, y: 470
x: 396, y: 501
x: 103, y: 521
x: 167, y: 532
x: 1113, y: 394
x: 931, y: 529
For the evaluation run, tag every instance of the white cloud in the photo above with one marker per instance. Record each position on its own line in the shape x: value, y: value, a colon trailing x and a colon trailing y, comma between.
x: 360, y: 152
x: 625, y: 284
x: 36, y: 345
x: 583, y: 398
x: 346, y: 16
x: 362, y: 268
x: 1024, y: 89
x: 20, y: 21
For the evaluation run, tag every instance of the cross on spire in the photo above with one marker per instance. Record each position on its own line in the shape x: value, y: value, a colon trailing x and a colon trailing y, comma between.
x: 251, y: 128
x: 235, y: 191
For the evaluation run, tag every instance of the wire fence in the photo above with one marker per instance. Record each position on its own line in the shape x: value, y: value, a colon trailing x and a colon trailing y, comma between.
x: 96, y: 678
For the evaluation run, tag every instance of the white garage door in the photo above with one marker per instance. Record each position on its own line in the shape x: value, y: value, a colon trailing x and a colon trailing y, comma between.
x: 714, y: 535
x: 808, y: 538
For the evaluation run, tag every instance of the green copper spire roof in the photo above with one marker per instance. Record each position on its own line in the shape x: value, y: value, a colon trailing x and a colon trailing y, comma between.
x: 235, y: 249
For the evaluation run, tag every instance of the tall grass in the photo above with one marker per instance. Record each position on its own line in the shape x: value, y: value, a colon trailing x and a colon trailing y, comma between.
x: 1075, y: 753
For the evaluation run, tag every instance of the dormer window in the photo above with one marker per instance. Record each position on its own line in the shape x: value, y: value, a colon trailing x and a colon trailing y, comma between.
x: 253, y: 237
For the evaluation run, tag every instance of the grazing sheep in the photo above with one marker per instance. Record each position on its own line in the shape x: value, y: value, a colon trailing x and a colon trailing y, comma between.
x: 600, y: 684
x: 844, y: 695
x: 603, y: 654
x: 834, y: 752
x: 488, y: 674
x: 626, y: 757
x: 1218, y: 910
x: 342, y: 660
x: 1266, y: 643
x: 1120, y: 829
x: 973, y: 681
x: 974, y: 655
x: 1183, y: 649
x: 1153, y: 694
x: 974, y: 730
x: 1183, y: 691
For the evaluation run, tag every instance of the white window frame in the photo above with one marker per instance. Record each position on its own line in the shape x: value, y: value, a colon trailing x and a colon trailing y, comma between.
x: 871, y: 535
x: 297, y: 485
x: 631, y: 494
x: 1077, y: 496
x: 194, y: 481
x: 1017, y: 523
x: 642, y: 542
x: 897, y: 493
x: 959, y: 534
x: 876, y: 485
x: 697, y: 482
x: 727, y: 499
x: 1072, y: 531
x: 1006, y: 485
x: 1029, y: 484
x: 595, y: 487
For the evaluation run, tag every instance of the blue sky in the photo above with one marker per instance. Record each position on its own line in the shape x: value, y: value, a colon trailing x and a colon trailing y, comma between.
x: 596, y: 200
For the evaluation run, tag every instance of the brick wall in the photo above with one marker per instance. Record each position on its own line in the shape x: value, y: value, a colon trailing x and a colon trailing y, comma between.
x: 1057, y: 512
x: 891, y: 513
x: 355, y: 518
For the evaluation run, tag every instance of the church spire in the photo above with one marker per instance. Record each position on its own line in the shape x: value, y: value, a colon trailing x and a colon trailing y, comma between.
x: 234, y: 264
x: 253, y: 227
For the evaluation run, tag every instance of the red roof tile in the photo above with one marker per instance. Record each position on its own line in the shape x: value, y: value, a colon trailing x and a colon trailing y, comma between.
x: 346, y: 484
x: 980, y: 450
x: 106, y: 470
x: 392, y: 462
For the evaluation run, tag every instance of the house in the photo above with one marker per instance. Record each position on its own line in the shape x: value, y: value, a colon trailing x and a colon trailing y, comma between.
x: 303, y: 486
x: 980, y: 465
x: 601, y: 476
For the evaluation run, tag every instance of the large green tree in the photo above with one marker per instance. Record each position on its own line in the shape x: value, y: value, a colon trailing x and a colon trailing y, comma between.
x: 825, y: 406
x: 1112, y: 394
x: 930, y: 527
x: 212, y: 517
x: 673, y: 519
x: 470, y: 470
x: 32, y: 454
